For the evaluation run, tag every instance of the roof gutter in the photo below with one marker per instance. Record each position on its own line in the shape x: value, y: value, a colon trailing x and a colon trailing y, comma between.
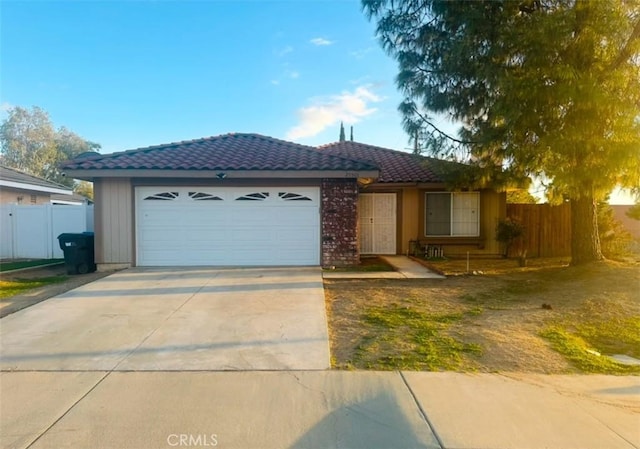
x: 397, y: 185
x: 34, y: 187
x: 90, y: 175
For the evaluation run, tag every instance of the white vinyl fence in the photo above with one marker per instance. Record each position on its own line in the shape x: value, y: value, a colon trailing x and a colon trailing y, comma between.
x: 31, y: 232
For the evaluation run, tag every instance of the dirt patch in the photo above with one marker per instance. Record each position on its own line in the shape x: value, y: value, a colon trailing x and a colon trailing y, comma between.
x: 490, y: 265
x: 502, y: 313
x: 367, y: 264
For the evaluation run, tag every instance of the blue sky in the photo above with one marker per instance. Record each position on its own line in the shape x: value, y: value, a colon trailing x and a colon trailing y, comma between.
x: 136, y: 73
x: 129, y: 74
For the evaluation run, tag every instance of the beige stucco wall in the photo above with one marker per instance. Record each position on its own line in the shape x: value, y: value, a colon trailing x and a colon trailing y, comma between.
x: 10, y: 196
x: 113, y: 216
x: 411, y: 219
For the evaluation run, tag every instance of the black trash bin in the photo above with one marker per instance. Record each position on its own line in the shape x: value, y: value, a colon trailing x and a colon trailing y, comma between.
x: 78, y: 252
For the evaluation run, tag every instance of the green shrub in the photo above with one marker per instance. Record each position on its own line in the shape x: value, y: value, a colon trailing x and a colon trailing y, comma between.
x: 507, y: 231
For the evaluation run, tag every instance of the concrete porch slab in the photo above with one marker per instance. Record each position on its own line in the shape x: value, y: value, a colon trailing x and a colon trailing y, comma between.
x: 405, y: 269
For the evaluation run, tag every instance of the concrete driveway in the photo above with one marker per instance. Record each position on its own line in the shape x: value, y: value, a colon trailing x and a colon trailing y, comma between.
x: 176, y: 319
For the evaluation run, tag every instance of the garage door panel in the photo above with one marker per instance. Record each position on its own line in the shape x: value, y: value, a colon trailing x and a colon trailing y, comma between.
x: 297, y: 236
x: 267, y: 258
x: 167, y: 258
x: 157, y: 215
x: 197, y: 237
x: 301, y: 216
x: 202, y: 215
x: 165, y: 234
x: 248, y: 216
x: 245, y: 236
x: 210, y: 226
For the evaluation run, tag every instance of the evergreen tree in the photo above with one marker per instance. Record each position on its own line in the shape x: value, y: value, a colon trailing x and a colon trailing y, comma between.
x: 521, y: 196
x: 342, y: 137
x: 547, y: 88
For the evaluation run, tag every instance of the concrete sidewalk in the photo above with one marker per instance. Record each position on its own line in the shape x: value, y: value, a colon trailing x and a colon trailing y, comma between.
x: 405, y: 269
x: 317, y: 409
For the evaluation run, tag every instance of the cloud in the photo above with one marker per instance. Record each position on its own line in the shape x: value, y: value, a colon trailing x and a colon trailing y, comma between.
x: 361, y: 80
x: 284, y: 51
x: 320, y: 41
x: 348, y: 107
x: 360, y: 54
x: 287, y: 74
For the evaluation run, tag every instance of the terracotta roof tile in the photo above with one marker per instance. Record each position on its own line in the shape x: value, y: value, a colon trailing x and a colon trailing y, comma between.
x: 394, y: 166
x: 224, y: 152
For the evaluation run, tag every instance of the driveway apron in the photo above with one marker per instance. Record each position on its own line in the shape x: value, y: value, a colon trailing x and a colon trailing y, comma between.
x: 176, y: 319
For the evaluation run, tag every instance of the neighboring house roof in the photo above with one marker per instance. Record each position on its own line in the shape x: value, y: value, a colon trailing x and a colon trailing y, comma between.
x: 225, y: 152
x: 395, y: 166
x: 73, y: 199
x: 10, y: 177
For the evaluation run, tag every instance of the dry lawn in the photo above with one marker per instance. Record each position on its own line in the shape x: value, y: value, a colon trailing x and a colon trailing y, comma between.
x: 489, y: 322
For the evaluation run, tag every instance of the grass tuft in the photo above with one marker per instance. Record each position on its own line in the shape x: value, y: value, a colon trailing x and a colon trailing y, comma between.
x: 420, y: 336
x: 18, y: 286
x: 582, y: 354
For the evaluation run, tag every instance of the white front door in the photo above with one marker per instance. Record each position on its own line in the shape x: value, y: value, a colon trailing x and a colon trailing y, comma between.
x: 227, y: 226
x: 377, y: 220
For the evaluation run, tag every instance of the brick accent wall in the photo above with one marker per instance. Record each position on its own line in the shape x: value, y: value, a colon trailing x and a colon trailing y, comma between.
x: 339, y: 211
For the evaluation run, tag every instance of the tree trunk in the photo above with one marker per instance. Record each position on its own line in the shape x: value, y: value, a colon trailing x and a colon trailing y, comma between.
x: 585, y: 240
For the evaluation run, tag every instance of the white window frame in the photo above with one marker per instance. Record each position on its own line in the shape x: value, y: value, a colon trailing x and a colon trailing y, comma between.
x: 451, y: 216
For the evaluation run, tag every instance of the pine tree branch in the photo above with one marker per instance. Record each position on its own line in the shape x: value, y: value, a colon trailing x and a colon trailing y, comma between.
x: 439, y: 131
x: 625, y: 53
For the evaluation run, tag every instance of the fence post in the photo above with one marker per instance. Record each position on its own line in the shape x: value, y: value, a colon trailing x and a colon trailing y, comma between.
x: 49, y: 220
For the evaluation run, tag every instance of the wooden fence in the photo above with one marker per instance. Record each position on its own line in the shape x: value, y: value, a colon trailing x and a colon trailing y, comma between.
x: 547, y: 229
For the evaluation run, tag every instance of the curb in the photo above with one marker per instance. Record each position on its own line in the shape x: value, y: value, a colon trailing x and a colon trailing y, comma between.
x: 19, y: 270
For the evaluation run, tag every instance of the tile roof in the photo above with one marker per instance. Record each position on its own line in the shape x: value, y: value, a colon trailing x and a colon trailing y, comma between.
x: 13, y: 175
x: 394, y: 166
x: 225, y: 152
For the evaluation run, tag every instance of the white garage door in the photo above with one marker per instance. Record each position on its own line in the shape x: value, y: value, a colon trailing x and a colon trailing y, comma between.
x: 187, y: 226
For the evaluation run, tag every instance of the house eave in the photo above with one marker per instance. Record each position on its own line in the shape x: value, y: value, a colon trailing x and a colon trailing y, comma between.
x: 90, y: 175
x: 33, y: 187
x: 67, y: 203
x: 400, y: 185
